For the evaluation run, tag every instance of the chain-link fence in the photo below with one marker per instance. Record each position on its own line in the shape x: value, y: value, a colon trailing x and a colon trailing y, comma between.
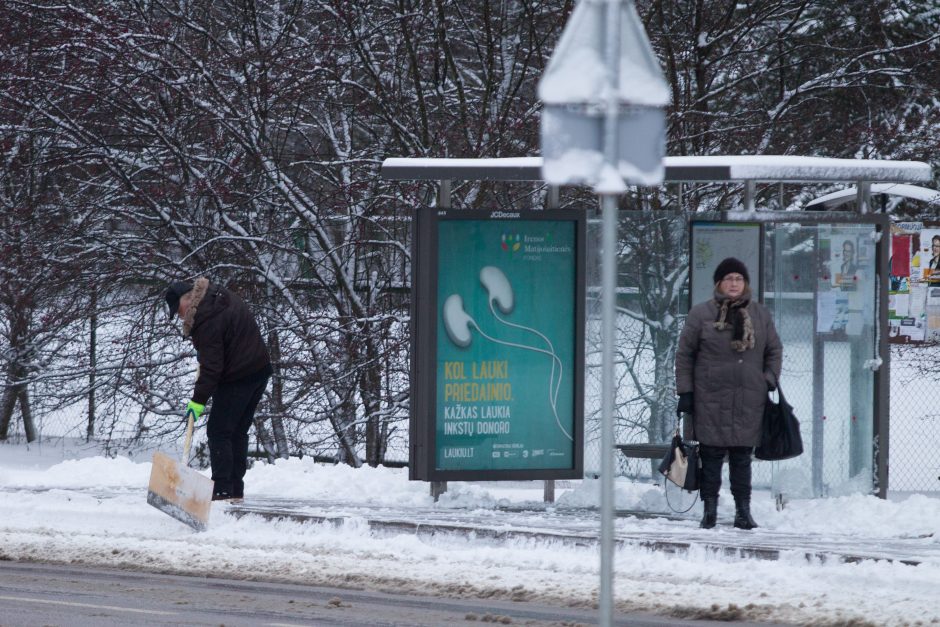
x: 650, y: 318
x: 915, y: 418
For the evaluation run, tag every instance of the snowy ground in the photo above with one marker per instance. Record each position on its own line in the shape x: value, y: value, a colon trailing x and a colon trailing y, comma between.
x: 92, y: 510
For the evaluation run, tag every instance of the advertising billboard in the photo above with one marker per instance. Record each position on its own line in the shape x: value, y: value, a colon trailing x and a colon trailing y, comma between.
x: 498, y: 390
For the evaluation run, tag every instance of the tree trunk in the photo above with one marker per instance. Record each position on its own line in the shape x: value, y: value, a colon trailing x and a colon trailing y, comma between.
x: 92, y: 365
x: 10, y: 397
x: 277, y: 398
x: 370, y: 389
x: 345, y: 429
x: 264, y: 438
x: 28, y: 426
x: 9, y: 402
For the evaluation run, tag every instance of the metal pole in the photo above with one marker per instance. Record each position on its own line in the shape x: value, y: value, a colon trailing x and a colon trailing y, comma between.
x: 443, y: 195
x: 608, y: 311
x: 548, y: 491
x: 749, y: 195
x: 863, y: 197
x: 554, y: 197
x: 818, y: 387
x: 881, y: 429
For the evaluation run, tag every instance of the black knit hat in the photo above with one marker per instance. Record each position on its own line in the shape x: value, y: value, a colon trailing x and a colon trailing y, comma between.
x: 173, y: 294
x: 729, y: 265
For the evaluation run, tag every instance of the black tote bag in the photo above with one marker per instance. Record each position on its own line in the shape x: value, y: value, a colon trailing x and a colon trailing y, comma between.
x: 780, y: 437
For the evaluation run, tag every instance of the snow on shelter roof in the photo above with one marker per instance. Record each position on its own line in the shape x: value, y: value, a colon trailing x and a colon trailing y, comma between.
x: 762, y: 168
x: 849, y: 194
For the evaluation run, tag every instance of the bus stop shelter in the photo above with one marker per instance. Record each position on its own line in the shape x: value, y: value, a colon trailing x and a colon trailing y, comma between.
x: 834, y: 315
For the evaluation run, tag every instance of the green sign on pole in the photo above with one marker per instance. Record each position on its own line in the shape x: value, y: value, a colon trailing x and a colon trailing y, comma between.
x: 508, y: 345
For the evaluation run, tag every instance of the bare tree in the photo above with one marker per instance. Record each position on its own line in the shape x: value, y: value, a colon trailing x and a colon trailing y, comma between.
x: 240, y: 140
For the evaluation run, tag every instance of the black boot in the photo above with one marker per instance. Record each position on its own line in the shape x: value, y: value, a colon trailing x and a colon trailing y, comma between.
x: 739, y: 471
x: 710, y: 483
x: 710, y: 518
x: 742, y: 514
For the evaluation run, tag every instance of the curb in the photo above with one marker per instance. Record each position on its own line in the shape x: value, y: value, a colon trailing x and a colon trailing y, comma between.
x: 732, y: 548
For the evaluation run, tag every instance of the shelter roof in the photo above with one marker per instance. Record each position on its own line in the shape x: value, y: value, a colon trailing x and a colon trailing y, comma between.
x: 849, y: 194
x: 719, y: 168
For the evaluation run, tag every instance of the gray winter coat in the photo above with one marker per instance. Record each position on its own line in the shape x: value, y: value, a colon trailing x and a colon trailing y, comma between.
x: 730, y: 387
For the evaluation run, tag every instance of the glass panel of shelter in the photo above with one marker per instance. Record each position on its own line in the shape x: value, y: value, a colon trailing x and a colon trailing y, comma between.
x: 820, y: 283
x: 821, y: 286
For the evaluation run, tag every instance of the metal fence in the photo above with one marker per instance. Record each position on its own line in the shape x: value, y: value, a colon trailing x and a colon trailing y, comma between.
x: 914, y: 422
x: 915, y: 418
x: 914, y: 388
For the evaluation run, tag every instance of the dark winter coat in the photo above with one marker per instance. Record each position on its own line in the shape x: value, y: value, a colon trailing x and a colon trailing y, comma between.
x: 229, y: 346
x: 729, y: 387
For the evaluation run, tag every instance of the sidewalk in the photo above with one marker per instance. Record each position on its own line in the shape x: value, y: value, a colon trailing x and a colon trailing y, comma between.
x: 581, y: 527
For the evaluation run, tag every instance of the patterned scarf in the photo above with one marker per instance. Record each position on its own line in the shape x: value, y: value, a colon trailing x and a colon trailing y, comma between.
x: 743, y: 336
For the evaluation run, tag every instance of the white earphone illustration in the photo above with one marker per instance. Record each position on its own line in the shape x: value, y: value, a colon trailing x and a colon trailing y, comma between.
x: 457, y: 323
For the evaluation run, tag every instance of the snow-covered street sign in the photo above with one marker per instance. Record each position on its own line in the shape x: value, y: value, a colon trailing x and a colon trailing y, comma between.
x: 585, y: 80
x: 603, y: 125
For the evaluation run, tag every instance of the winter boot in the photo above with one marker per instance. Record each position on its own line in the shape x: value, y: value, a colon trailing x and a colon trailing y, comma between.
x: 739, y: 471
x: 222, y: 491
x: 710, y: 483
x: 710, y: 518
x: 742, y: 514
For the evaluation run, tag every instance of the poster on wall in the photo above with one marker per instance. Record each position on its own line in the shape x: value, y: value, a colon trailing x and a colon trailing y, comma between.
x: 914, y: 282
x: 713, y: 241
x: 928, y: 257
x: 848, y: 257
x: 507, y: 353
x: 851, y: 258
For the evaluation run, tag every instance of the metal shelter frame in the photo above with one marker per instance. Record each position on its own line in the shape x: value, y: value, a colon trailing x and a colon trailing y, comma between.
x: 746, y: 170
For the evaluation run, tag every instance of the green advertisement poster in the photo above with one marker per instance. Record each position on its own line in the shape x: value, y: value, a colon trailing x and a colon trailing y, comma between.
x: 505, y: 384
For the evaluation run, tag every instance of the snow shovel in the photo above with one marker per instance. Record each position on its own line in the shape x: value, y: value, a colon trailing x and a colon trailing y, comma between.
x: 178, y: 490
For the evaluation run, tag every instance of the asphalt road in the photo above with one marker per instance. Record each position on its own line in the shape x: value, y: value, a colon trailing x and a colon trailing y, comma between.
x: 50, y: 595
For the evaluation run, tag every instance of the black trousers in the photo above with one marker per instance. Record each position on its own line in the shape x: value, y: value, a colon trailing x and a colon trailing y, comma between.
x: 233, y: 411
x: 739, y: 471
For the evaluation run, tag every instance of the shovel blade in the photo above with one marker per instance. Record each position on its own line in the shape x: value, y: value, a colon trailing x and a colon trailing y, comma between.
x: 180, y: 491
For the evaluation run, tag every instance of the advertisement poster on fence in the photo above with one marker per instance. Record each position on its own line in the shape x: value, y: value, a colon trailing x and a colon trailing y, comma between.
x: 914, y: 282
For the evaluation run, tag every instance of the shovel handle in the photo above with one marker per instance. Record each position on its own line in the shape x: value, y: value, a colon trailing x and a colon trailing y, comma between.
x: 190, y: 419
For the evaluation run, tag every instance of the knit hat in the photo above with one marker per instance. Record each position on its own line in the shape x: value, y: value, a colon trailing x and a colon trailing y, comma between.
x: 728, y: 266
x: 174, y: 293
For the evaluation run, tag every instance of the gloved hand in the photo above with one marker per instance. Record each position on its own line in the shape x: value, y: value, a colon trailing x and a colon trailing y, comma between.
x: 686, y: 404
x: 195, y: 408
x: 771, y: 387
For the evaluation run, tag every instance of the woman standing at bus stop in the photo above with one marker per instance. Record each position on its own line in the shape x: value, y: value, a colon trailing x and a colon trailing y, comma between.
x: 728, y: 358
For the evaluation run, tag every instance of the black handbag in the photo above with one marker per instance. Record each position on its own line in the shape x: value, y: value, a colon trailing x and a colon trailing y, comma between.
x: 681, y: 464
x: 780, y: 436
